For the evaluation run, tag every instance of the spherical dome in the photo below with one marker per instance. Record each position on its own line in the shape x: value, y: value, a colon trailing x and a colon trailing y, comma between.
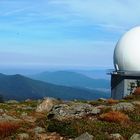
x: 127, y: 51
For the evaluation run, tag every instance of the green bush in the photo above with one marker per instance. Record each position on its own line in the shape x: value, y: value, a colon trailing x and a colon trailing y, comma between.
x: 64, y: 128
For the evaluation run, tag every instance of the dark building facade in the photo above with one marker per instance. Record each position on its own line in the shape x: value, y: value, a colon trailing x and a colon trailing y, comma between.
x: 124, y: 84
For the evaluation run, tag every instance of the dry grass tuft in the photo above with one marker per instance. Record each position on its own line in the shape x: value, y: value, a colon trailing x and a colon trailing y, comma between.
x: 114, y: 116
x: 112, y: 101
x: 7, y: 128
x: 137, y: 91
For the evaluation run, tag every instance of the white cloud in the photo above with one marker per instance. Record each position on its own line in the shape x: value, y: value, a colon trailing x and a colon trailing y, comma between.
x: 119, y: 14
x: 114, y: 14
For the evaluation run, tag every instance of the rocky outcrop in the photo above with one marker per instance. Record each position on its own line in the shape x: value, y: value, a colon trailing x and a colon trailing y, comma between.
x: 38, y: 130
x: 30, y: 119
x: 73, y: 110
x: 135, y: 137
x: 5, y: 117
x: 85, y: 136
x: 42, y: 136
x: 1, y: 110
x: 12, y: 101
x: 123, y: 107
x: 23, y: 136
x: 46, y: 105
x: 45, y: 136
x: 116, y: 136
x: 137, y: 103
x: 102, y: 99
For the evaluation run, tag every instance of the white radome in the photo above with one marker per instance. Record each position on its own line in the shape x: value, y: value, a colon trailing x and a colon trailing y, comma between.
x: 127, y: 51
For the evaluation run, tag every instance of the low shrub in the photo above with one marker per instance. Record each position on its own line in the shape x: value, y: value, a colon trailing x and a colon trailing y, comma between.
x: 135, y: 118
x: 96, y: 103
x: 106, y: 110
x: 74, y: 128
x: 99, y: 129
x: 114, y: 116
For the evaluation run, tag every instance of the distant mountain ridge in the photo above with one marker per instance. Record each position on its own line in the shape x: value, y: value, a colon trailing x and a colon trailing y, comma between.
x: 73, y: 79
x: 20, y: 88
x: 95, y: 74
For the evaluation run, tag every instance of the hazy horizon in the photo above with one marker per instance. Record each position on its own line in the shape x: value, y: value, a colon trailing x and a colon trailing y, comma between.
x: 35, y: 70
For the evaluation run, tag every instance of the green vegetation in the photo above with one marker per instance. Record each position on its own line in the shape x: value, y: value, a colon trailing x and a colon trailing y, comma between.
x: 99, y: 129
x: 101, y: 125
x: 125, y: 123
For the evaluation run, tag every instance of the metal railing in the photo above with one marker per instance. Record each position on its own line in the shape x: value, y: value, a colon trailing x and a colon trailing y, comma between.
x: 113, y: 71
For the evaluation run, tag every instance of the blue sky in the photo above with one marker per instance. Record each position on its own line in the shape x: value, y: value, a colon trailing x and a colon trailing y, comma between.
x: 63, y: 33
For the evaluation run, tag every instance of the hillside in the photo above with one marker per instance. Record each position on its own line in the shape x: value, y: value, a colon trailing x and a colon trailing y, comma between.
x: 95, y: 74
x: 20, y: 87
x: 73, y: 79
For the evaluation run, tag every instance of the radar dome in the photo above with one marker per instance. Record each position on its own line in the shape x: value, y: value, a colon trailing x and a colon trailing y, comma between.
x: 127, y: 51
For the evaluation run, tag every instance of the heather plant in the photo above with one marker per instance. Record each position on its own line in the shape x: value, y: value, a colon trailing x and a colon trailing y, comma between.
x: 112, y: 101
x: 137, y: 92
x: 114, y: 116
x: 7, y: 128
x: 99, y: 129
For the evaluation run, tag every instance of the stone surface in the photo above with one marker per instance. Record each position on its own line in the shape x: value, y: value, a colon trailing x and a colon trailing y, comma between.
x: 135, y: 137
x: 43, y: 136
x: 95, y: 110
x: 136, y: 103
x: 1, y: 110
x: 30, y: 119
x: 116, y: 136
x: 5, y: 117
x: 12, y: 101
x: 102, y: 107
x: 123, y: 106
x: 24, y: 114
x: 28, y: 100
x: 51, y: 136
x: 46, y: 105
x: 23, y: 136
x: 27, y: 108
x: 73, y: 110
x: 39, y: 130
x: 85, y: 136
x: 102, y: 99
